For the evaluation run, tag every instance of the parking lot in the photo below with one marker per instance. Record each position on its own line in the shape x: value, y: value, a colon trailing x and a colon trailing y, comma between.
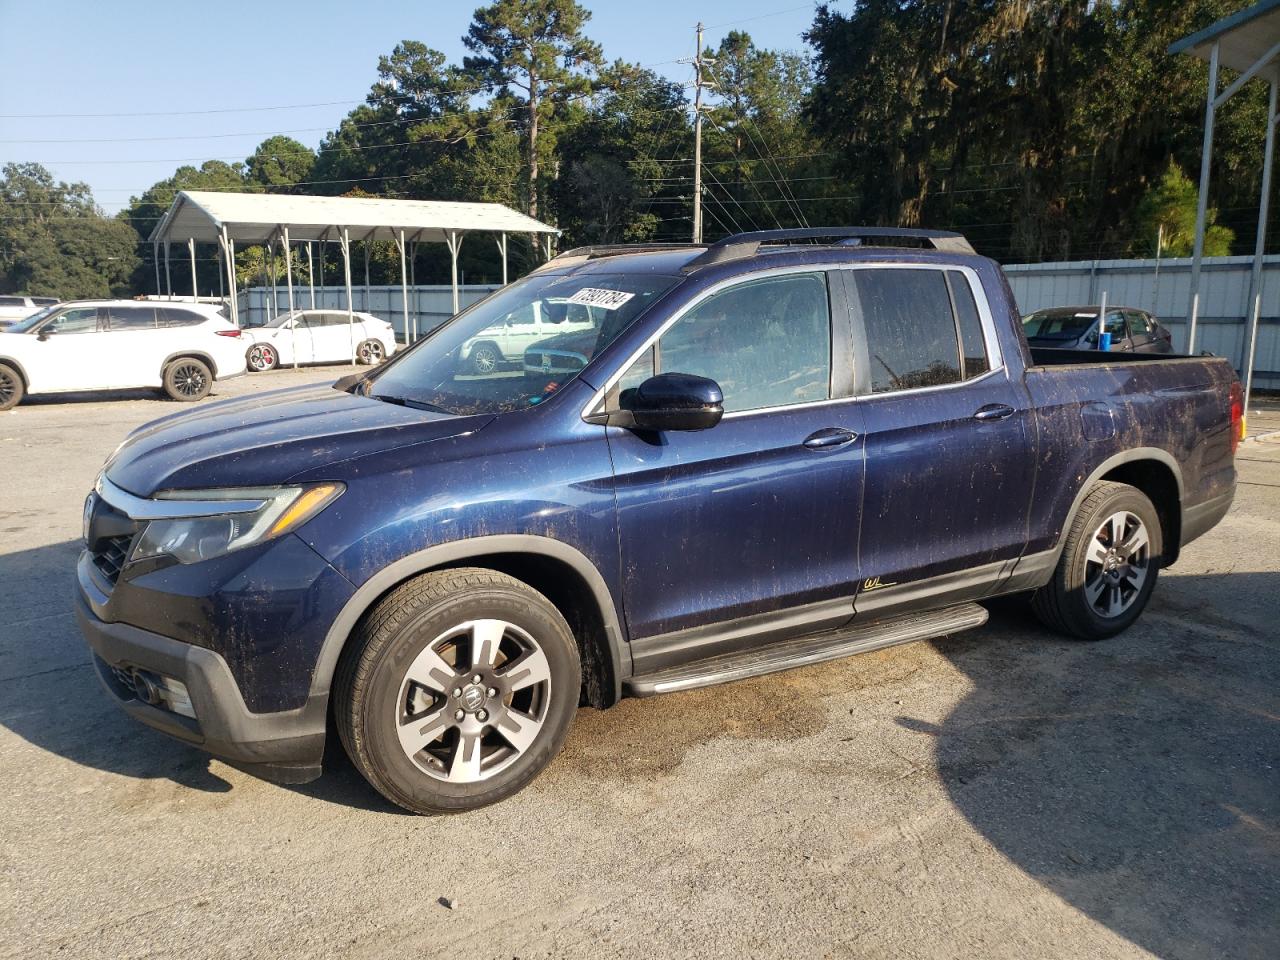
x: 1002, y: 793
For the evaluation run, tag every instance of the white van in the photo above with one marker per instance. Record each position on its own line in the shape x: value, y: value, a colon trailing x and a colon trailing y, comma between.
x: 118, y: 344
x: 14, y: 308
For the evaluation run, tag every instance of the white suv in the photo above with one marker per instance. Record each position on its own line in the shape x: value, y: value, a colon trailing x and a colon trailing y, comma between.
x: 118, y: 344
x: 318, y: 336
x: 15, y: 308
x: 508, y: 339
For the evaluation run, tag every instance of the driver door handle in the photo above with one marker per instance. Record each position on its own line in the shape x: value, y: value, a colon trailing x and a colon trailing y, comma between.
x: 994, y: 411
x: 829, y: 437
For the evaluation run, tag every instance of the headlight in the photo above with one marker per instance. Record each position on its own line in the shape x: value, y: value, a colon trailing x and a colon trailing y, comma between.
x: 260, y: 514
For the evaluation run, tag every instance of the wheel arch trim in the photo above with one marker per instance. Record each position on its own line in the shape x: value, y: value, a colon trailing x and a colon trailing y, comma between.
x: 10, y: 362
x: 200, y: 355
x: 446, y: 554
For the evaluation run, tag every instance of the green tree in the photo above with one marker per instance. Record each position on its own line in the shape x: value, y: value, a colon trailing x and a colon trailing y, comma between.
x: 535, y: 47
x: 55, y: 242
x: 1167, y: 213
x: 281, y: 165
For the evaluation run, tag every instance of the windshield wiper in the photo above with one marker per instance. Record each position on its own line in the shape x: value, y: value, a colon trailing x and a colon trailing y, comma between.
x: 409, y: 402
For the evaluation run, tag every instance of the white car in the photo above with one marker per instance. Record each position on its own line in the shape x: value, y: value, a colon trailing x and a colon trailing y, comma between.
x: 118, y: 344
x: 15, y: 308
x: 318, y: 336
x: 508, y: 339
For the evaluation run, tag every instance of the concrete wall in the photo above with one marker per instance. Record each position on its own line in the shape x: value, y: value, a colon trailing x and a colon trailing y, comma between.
x: 1224, y: 294
x: 429, y: 306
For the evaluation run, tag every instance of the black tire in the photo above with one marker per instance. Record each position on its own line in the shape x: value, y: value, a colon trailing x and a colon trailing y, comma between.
x: 371, y: 352
x: 12, y: 388
x: 370, y: 702
x: 261, y: 357
x: 484, y: 359
x: 1066, y: 603
x: 187, y: 379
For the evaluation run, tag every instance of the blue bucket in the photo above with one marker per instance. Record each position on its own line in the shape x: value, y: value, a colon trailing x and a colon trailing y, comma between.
x: 1104, y: 341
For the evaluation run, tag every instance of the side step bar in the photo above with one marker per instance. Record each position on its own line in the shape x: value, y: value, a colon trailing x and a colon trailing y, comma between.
x: 807, y: 650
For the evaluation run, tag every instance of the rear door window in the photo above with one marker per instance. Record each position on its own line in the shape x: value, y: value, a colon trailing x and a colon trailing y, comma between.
x: 909, y: 326
x: 125, y: 319
x: 13, y: 302
x: 177, y: 317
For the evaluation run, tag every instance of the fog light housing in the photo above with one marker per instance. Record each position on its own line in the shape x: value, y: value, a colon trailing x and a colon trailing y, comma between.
x: 165, y: 692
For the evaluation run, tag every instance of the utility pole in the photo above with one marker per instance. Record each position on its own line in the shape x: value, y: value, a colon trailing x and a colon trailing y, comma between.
x: 699, y: 61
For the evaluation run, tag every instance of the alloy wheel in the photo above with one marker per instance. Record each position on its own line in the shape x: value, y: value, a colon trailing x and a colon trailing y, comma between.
x: 484, y: 360
x: 261, y: 357
x: 8, y: 388
x: 189, y: 380
x: 371, y: 352
x: 1116, y: 564
x: 473, y: 701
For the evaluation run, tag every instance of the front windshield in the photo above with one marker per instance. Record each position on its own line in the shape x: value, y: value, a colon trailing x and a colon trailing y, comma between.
x: 28, y: 323
x: 516, y: 348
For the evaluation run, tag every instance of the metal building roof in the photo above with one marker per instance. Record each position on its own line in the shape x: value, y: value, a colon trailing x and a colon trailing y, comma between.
x: 1244, y: 38
x: 256, y: 217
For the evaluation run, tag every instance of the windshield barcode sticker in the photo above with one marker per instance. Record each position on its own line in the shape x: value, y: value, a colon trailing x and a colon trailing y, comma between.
x: 604, y: 299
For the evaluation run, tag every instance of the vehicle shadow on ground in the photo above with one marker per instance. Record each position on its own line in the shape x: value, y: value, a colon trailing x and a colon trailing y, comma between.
x: 51, y: 696
x: 1137, y: 778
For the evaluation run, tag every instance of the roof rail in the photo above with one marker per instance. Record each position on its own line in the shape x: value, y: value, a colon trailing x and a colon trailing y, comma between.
x: 741, y: 245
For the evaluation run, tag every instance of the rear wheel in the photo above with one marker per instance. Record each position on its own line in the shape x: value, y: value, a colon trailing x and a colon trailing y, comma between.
x: 371, y: 352
x: 11, y: 388
x: 261, y: 357
x: 1108, y: 566
x: 458, y: 690
x: 187, y: 379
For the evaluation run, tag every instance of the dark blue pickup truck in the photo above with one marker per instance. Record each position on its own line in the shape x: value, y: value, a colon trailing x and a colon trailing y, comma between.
x: 779, y: 449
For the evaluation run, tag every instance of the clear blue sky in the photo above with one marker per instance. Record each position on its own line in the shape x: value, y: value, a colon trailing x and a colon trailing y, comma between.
x: 180, y: 58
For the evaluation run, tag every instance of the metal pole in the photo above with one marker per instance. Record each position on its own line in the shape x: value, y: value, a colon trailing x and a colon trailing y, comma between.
x: 293, y: 321
x: 1255, y: 281
x: 1102, y: 317
x: 454, y: 243
x: 367, y: 293
x: 1202, y: 207
x: 191, y: 248
x: 155, y: 255
x: 404, y: 286
x: 413, y: 282
x: 168, y: 286
x: 229, y: 260
x: 1155, y: 292
x: 311, y: 276
x: 346, y: 262
x: 221, y: 291
x: 502, y: 245
x: 697, y: 139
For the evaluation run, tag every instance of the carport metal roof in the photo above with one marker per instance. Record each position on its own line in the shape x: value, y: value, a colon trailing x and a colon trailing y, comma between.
x: 209, y: 217
x: 201, y: 216
x: 1247, y: 42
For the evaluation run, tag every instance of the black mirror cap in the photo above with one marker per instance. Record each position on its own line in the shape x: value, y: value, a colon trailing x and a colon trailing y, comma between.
x: 672, y: 401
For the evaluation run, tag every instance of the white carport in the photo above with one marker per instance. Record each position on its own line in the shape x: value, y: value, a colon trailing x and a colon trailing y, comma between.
x: 1247, y: 42
x: 198, y: 216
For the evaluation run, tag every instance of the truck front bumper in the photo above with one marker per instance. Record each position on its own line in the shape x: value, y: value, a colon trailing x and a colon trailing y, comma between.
x: 286, y: 747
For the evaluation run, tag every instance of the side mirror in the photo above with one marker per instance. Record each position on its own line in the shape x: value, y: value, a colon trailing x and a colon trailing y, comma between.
x: 44, y: 334
x: 671, y: 401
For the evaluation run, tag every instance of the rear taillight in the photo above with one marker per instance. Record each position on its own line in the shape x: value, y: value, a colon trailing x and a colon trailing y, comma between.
x: 227, y: 333
x: 1237, y: 415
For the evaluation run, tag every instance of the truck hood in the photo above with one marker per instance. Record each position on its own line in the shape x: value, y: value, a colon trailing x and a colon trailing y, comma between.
x: 270, y: 438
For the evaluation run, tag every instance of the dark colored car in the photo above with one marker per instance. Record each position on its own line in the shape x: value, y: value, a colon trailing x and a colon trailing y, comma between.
x: 780, y: 449
x: 1076, y: 328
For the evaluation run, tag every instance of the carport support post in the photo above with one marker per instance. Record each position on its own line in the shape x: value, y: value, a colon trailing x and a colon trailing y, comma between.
x: 191, y: 248
x: 288, y: 271
x: 168, y: 286
x: 346, y: 264
x: 404, y: 285
x: 454, y: 241
x: 155, y: 255
x: 1202, y: 207
x: 502, y: 246
x: 311, y: 276
x: 229, y: 259
x: 1255, y: 280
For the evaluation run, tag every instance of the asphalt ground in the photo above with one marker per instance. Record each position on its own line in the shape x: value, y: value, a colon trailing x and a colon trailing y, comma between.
x: 1001, y: 793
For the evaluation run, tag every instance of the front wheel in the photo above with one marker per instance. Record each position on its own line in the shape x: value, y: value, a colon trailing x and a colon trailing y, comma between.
x: 11, y: 387
x: 457, y: 691
x: 1108, y: 566
x: 187, y: 379
x: 484, y: 359
x: 371, y: 352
